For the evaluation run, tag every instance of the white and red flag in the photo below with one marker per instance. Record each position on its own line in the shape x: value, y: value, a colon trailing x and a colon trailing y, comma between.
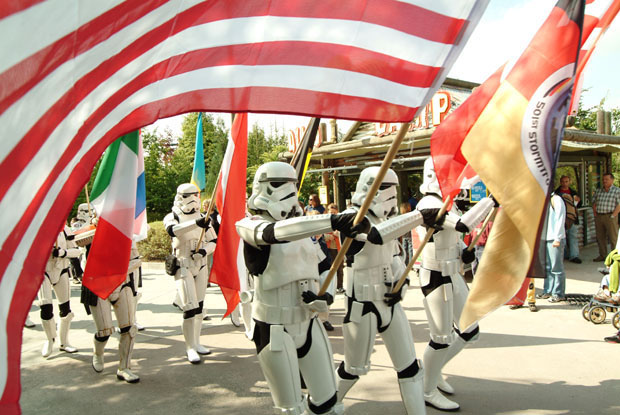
x: 510, y: 130
x: 598, y: 16
x: 228, y: 270
x: 93, y: 71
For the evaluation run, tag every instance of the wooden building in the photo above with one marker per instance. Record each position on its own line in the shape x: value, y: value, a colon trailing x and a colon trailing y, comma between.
x: 584, y: 155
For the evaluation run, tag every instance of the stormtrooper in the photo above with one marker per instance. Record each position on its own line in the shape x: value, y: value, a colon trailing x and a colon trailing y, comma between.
x: 444, y: 289
x: 123, y: 302
x: 57, y: 279
x: 287, y: 267
x: 185, y: 225
x: 372, y: 271
x: 84, y: 216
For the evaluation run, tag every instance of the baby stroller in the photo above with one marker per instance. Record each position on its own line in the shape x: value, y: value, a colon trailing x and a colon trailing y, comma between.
x: 603, y: 302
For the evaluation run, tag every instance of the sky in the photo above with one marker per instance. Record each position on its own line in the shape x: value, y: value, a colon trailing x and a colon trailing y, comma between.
x: 505, y: 29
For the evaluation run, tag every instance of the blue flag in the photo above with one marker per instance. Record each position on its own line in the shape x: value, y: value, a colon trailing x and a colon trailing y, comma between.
x: 198, y: 175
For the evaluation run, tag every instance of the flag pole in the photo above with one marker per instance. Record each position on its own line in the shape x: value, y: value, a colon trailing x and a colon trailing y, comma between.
x: 387, y: 161
x: 414, y: 258
x: 212, y: 201
x: 90, y: 213
x: 490, y: 217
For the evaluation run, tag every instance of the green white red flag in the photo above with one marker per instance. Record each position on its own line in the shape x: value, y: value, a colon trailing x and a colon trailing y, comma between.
x: 114, y: 197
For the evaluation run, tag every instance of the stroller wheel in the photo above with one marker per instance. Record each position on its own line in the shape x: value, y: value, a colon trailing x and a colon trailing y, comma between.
x: 615, y: 320
x: 597, y: 315
x: 585, y: 312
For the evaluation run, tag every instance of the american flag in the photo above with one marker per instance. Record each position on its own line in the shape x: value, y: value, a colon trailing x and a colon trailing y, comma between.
x: 74, y: 76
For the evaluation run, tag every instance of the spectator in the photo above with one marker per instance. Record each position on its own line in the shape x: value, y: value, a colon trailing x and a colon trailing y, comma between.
x: 405, y: 240
x: 413, y: 202
x: 606, y: 206
x: 572, y: 201
x: 332, y: 239
x: 314, y: 203
x: 555, y: 238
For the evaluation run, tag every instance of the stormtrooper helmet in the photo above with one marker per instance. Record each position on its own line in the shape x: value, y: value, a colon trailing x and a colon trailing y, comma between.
x: 385, y: 203
x: 430, y: 184
x: 274, y: 191
x: 83, y: 214
x: 187, y: 198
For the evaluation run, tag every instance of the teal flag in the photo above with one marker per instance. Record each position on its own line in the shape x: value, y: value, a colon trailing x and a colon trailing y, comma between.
x: 198, y: 175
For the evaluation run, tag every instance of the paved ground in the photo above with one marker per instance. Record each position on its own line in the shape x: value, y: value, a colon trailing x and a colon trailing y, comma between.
x: 550, y: 362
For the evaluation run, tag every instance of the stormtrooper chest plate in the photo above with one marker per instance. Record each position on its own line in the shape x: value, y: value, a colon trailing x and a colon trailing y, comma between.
x: 291, y: 261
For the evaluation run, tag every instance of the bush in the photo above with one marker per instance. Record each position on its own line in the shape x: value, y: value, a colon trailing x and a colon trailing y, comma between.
x: 157, y: 244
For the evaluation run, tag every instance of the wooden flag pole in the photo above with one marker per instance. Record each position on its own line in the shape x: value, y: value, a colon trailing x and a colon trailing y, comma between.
x: 427, y: 237
x: 90, y: 213
x: 209, y: 208
x: 387, y: 161
x: 490, y: 217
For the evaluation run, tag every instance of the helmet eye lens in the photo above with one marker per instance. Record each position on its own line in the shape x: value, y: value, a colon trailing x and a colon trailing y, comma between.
x: 186, y: 195
x: 276, y: 184
x: 385, y: 186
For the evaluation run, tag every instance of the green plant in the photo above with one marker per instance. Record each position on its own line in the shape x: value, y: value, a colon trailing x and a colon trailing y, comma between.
x: 157, y: 244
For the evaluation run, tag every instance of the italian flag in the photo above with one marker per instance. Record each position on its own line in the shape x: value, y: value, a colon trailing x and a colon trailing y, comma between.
x: 114, y: 197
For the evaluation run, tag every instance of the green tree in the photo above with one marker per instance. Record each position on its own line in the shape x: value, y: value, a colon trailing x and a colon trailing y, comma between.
x: 160, y: 180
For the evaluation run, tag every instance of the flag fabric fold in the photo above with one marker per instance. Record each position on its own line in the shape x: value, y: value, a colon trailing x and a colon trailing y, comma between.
x: 228, y: 270
x: 301, y: 158
x: 509, y: 131
x: 87, y: 76
x: 114, y: 196
x: 198, y: 174
x: 598, y: 16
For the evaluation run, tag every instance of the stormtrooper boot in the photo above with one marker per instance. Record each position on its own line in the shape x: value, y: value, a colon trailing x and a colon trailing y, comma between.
x: 433, y: 362
x: 188, y: 334
x: 412, y: 393
x: 29, y: 323
x: 49, y: 326
x: 98, y: 348
x: 200, y: 349
x: 125, y: 348
x: 344, y: 384
x: 234, y: 317
x: 455, y: 348
x: 65, y: 323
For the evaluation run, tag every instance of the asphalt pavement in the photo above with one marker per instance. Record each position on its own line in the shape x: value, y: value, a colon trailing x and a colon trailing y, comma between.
x: 550, y: 362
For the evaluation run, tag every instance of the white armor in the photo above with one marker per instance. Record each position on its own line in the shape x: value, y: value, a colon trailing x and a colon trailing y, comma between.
x: 371, y: 273
x: 84, y: 216
x: 123, y: 302
x: 284, y: 262
x: 274, y: 191
x: 57, y: 278
x: 191, y: 277
x: 445, y: 291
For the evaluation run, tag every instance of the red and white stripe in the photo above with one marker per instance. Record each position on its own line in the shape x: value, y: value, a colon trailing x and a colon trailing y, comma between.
x: 598, y: 16
x: 74, y: 77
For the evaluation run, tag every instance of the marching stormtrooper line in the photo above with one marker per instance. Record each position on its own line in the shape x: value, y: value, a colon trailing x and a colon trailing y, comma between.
x: 285, y: 268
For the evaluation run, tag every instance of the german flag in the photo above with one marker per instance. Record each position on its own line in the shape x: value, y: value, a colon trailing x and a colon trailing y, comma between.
x: 511, y: 129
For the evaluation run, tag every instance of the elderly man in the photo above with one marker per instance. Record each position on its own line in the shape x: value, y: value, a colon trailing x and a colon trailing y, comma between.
x: 572, y: 201
x: 606, y: 206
